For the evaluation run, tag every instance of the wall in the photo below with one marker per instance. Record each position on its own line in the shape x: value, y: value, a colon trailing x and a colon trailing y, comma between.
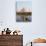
x: 39, y: 18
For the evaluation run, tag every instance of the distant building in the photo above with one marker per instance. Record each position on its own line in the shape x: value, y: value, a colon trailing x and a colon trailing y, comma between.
x: 10, y: 40
x: 24, y: 15
x: 24, y: 12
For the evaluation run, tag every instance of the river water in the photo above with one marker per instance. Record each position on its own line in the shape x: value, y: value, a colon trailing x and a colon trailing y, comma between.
x: 21, y: 18
x: 39, y: 44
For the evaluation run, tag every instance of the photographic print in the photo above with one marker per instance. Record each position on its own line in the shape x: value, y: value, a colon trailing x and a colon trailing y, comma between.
x: 24, y: 11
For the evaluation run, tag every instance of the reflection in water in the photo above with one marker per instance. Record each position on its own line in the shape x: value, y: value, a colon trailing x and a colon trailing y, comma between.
x: 39, y: 44
x: 23, y: 18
